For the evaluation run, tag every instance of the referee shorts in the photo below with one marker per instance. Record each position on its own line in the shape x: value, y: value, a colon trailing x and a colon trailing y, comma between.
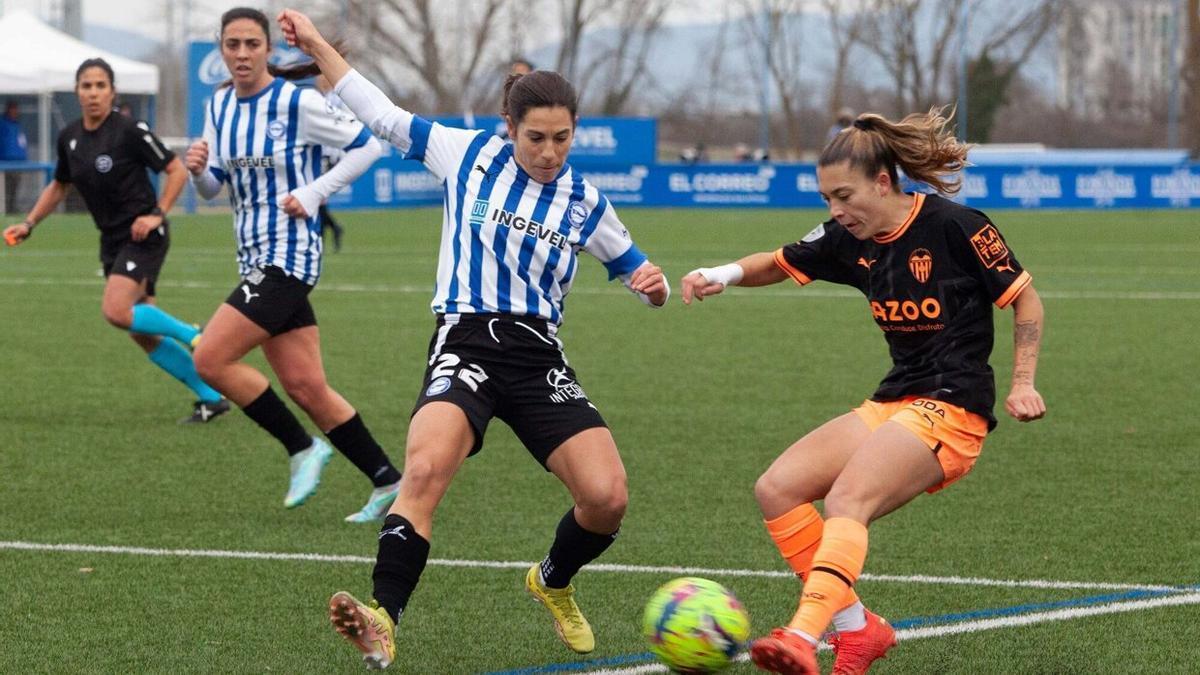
x: 954, y: 434
x: 510, y: 367
x: 138, y: 260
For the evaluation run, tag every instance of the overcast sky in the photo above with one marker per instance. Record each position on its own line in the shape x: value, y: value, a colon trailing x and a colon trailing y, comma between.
x: 151, y: 15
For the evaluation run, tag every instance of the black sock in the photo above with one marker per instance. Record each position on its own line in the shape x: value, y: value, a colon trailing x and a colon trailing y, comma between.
x: 271, y: 414
x: 352, y: 439
x: 398, y: 566
x: 573, y: 548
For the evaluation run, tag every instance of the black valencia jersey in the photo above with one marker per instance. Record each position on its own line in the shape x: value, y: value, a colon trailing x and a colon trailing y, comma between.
x: 930, y: 284
x: 108, y: 167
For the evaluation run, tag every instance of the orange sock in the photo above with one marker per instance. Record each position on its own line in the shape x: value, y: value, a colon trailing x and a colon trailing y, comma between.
x: 797, y: 533
x: 835, y: 567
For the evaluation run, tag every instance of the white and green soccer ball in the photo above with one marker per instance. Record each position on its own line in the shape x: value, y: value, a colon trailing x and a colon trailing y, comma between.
x: 695, y: 625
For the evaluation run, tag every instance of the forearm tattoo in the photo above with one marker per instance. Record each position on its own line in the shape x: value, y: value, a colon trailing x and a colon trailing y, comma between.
x: 1026, y: 338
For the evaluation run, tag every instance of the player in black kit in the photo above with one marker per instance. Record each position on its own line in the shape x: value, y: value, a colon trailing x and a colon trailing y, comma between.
x: 105, y: 156
x: 931, y: 271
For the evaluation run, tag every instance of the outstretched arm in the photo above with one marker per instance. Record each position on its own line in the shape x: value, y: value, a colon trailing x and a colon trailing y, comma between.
x: 756, y: 269
x: 52, y: 195
x: 1024, y: 403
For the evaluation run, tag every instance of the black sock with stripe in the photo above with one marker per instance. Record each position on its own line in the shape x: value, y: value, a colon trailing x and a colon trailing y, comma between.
x: 573, y: 548
x: 353, y: 440
x: 269, y: 412
x: 398, y: 565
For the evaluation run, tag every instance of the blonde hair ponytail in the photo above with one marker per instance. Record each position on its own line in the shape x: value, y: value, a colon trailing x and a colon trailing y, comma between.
x: 920, y: 144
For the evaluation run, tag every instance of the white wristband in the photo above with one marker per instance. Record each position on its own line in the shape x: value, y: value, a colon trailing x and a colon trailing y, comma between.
x: 729, y: 274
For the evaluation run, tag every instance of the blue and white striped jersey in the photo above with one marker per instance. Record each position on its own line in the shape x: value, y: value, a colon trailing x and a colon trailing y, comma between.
x: 509, y: 243
x: 264, y: 147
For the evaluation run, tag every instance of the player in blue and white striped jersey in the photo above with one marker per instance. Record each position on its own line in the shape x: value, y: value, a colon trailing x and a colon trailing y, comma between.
x: 516, y: 216
x: 263, y: 139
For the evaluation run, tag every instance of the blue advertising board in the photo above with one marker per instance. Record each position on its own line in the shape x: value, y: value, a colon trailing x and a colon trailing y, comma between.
x: 395, y: 182
x: 617, y: 155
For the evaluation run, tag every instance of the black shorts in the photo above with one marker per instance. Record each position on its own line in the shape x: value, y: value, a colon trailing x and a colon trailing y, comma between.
x: 274, y: 300
x: 510, y: 367
x: 137, y: 260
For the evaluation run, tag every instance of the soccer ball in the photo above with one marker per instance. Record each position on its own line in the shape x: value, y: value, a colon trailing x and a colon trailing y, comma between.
x: 695, y: 625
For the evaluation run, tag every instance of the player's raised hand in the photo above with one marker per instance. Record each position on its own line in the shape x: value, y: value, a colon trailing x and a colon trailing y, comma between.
x: 650, y: 281
x: 1025, y: 404
x: 196, y: 159
x: 15, y: 234
x: 696, y: 285
x: 299, y: 31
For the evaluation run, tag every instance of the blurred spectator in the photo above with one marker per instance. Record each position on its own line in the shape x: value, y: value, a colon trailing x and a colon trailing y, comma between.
x: 761, y: 155
x: 741, y: 153
x: 696, y: 154
x: 845, y: 117
x: 12, y: 149
x: 521, y: 67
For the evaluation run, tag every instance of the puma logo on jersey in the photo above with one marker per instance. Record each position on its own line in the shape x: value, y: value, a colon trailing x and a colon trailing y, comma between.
x: 249, y: 295
x: 1006, y: 266
x: 486, y: 176
x: 866, y: 263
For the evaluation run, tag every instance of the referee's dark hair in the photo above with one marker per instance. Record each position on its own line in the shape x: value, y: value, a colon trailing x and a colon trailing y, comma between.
x: 96, y: 63
x: 296, y: 72
x: 539, y: 89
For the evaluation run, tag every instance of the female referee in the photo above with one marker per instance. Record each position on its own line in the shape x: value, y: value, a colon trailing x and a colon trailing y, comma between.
x: 515, y: 215
x: 930, y: 269
x: 263, y: 138
x: 106, y: 156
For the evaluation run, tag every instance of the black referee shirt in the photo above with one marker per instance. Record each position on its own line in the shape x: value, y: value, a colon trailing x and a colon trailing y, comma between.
x: 108, y: 167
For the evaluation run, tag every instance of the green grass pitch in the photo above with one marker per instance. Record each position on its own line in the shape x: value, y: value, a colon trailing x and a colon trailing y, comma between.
x: 700, y: 399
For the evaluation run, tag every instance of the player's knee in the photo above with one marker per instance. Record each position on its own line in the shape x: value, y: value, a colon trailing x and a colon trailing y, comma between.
x: 118, y: 314
x: 208, y: 366
x: 308, y: 391
x: 771, y: 488
x: 606, y: 501
x: 420, y: 475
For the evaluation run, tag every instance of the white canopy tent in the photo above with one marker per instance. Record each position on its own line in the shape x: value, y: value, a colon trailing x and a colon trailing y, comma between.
x: 40, y: 60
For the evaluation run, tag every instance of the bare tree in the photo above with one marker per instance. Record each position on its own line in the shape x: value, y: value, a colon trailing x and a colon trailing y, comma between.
x: 1191, y: 78
x: 913, y: 39
x: 775, y: 31
x: 446, y: 49
x: 577, y: 16
x: 846, y: 31
x: 622, y: 66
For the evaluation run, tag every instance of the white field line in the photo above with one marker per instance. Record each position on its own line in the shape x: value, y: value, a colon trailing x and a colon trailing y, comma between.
x: 975, y: 626
x: 599, y: 567
x: 427, y: 289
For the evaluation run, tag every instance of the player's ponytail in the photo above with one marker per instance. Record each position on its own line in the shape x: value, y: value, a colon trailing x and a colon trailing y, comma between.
x: 920, y: 144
